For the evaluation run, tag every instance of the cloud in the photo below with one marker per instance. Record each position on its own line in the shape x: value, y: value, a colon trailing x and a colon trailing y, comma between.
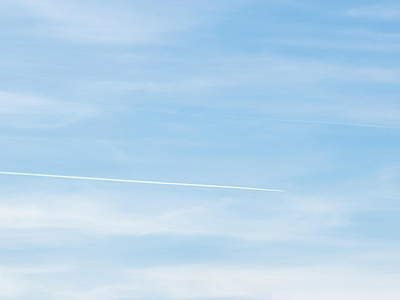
x: 24, y: 110
x: 283, y: 71
x: 362, y: 41
x: 310, y: 282
x: 141, y: 22
x: 90, y: 214
x: 264, y: 71
x: 16, y: 282
x: 279, y: 87
x: 386, y: 12
x: 202, y: 281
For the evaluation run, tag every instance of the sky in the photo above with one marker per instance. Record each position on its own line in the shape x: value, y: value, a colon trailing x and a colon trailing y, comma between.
x: 294, y: 95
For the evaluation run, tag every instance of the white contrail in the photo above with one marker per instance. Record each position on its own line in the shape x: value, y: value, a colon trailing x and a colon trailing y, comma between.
x: 142, y: 181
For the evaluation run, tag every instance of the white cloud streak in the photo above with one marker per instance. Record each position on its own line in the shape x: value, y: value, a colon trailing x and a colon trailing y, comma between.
x: 380, y: 11
x: 25, y: 110
x: 38, y: 219
x: 335, y: 123
x: 139, y: 22
x: 310, y: 282
x: 202, y: 281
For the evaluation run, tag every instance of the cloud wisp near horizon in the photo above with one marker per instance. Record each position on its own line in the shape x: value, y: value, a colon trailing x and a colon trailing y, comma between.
x: 208, y: 104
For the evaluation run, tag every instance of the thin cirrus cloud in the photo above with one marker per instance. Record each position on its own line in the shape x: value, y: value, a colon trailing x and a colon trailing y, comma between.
x: 341, y: 280
x: 84, y: 22
x: 311, y: 282
x: 254, y: 93
x: 268, y: 74
x: 257, y: 71
x: 38, y: 219
x: 25, y: 110
x: 378, y: 11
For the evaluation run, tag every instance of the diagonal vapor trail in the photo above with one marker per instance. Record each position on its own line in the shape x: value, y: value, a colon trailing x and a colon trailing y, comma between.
x: 143, y: 181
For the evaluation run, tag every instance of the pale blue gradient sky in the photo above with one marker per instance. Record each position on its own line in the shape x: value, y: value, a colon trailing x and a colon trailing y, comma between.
x: 294, y: 95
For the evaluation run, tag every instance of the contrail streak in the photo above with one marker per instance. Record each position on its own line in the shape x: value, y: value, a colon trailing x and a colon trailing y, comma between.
x: 142, y: 181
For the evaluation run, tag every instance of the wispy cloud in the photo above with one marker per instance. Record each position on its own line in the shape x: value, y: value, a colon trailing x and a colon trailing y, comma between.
x: 264, y: 71
x: 91, y: 214
x: 276, y: 94
x: 378, y: 11
x: 311, y: 282
x: 289, y: 89
x: 86, y: 22
x: 366, y: 41
x: 24, y: 110
x: 17, y: 282
x: 202, y: 281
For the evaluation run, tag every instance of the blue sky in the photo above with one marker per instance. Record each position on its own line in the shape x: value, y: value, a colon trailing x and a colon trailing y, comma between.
x: 294, y: 95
